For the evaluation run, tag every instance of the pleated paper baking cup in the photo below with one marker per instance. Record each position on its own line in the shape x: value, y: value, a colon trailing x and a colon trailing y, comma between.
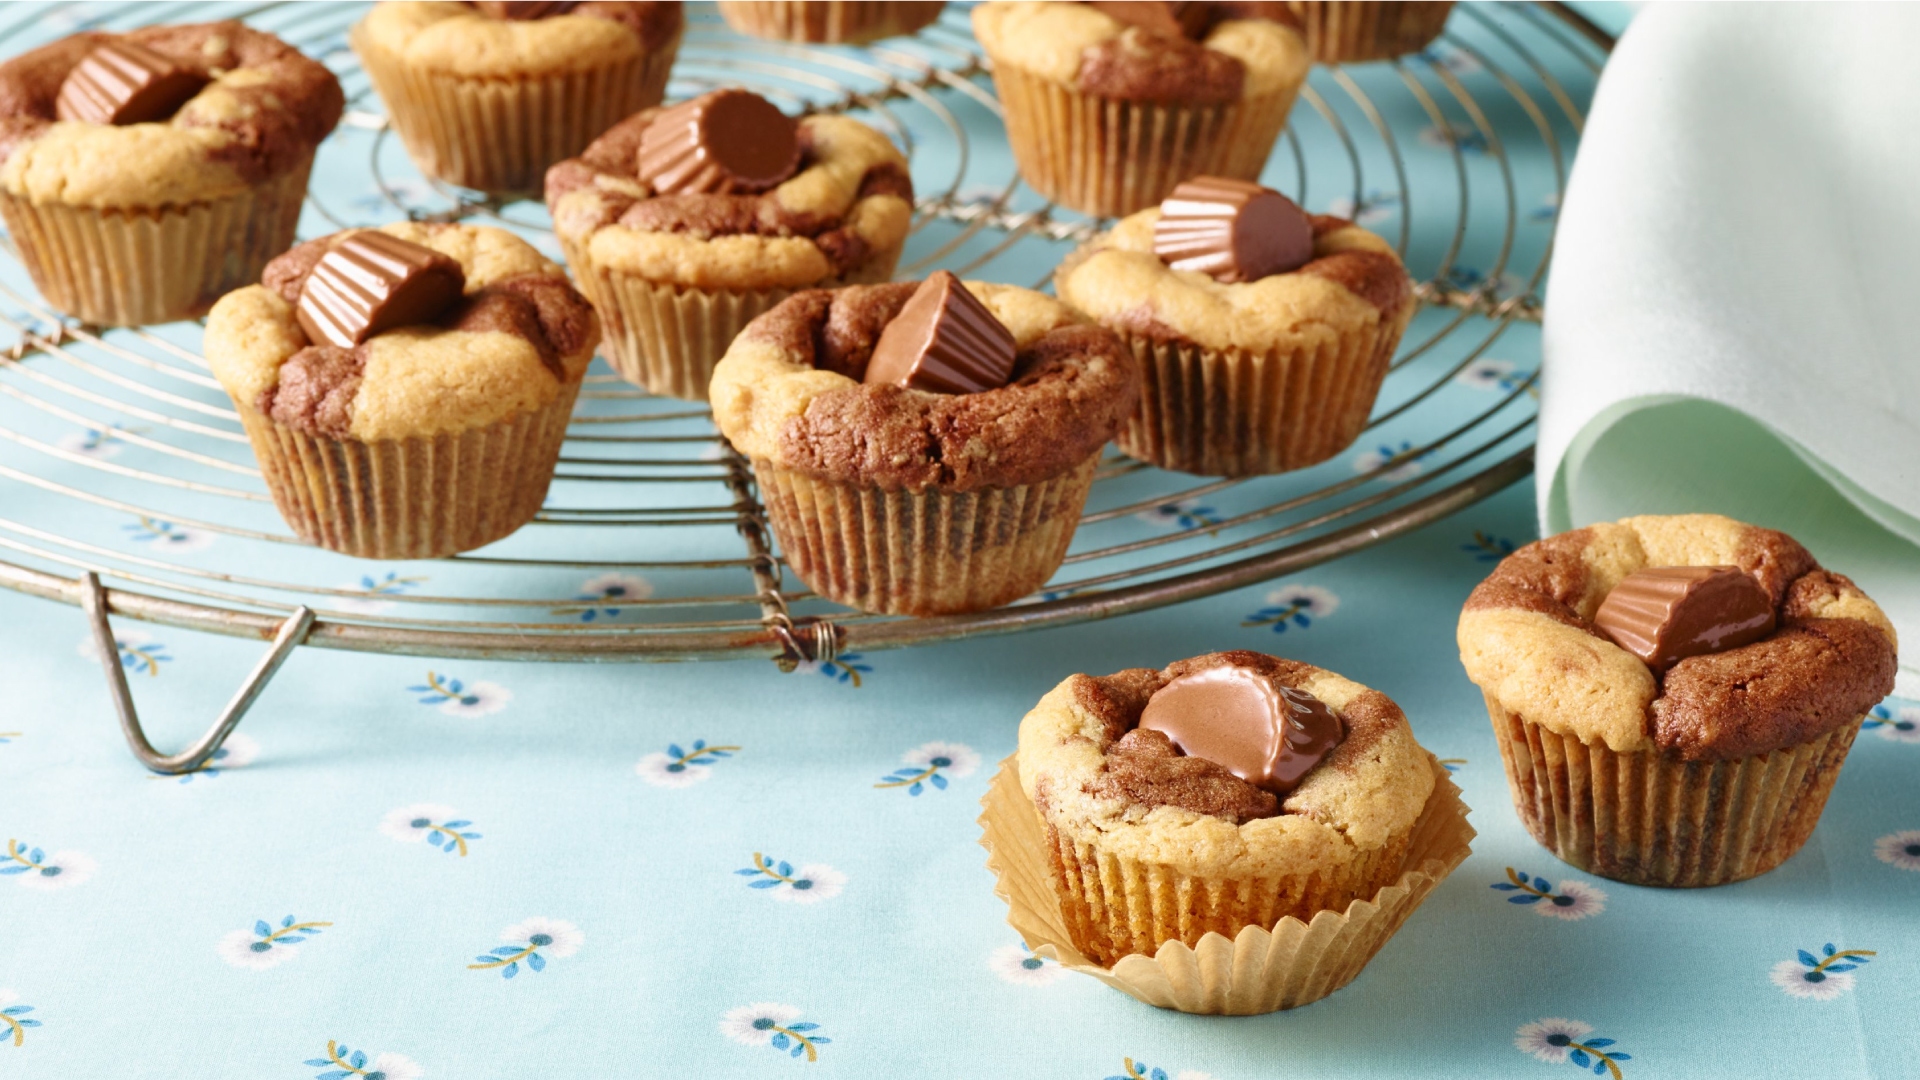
x: 1108, y: 157
x: 1651, y: 819
x: 500, y: 134
x: 828, y: 21
x: 1350, y: 31
x: 667, y: 338
x: 419, y: 498
x: 130, y: 267
x: 1232, y: 412
x: 1266, y: 966
x: 927, y: 552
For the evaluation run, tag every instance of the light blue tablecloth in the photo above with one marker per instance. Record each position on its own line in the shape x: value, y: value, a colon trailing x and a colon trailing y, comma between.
x: 445, y: 869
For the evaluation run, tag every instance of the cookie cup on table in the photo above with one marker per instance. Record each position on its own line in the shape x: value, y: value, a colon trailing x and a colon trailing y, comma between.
x: 1350, y: 31
x: 426, y: 440
x: 121, y: 225
x: 676, y: 277
x: 909, y: 502
x: 1252, y: 377
x: 1105, y: 119
x: 490, y: 103
x: 1713, y: 772
x: 1170, y: 893
x: 838, y: 22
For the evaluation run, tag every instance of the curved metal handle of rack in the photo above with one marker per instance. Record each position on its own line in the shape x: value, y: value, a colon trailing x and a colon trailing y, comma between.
x: 93, y: 598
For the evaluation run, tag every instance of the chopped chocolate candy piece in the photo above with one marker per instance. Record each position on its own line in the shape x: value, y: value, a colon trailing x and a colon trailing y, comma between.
x: 720, y: 143
x: 1173, y: 20
x: 523, y: 9
x: 1265, y: 733
x: 1232, y: 230
x: 370, y: 282
x: 123, y: 83
x: 1665, y: 614
x: 944, y: 341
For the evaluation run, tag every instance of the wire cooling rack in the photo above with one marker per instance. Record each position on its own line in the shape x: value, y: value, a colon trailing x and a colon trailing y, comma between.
x: 122, y: 463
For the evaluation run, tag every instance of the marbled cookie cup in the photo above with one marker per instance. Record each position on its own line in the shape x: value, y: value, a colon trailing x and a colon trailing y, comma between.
x: 427, y: 438
x: 910, y: 502
x: 676, y: 276
x: 127, y: 221
x: 1701, y: 771
x: 1105, y: 116
x: 489, y: 100
x: 1349, y: 31
x: 1155, y: 864
x: 840, y: 22
x: 1246, y: 377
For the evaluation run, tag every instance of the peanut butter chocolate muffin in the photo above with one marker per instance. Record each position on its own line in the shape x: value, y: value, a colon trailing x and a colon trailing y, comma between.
x: 406, y: 388
x: 845, y: 22
x: 1108, y: 106
x: 1225, y: 791
x: 923, y: 448
x: 488, y: 95
x: 1349, y: 31
x: 1673, y: 696
x: 1263, y: 333
x: 683, y: 224
x: 144, y: 174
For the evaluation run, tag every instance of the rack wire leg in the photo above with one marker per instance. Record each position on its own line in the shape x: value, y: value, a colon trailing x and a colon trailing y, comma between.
x: 292, y: 633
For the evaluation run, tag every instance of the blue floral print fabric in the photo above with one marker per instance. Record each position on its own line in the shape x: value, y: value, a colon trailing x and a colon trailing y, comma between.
x: 405, y: 868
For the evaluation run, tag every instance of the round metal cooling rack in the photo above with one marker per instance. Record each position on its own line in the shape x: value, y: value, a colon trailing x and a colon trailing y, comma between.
x: 120, y: 457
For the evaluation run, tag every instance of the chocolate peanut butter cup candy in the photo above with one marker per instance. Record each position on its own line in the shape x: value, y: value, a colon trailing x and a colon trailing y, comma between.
x: 489, y: 95
x: 1350, y: 31
x: 1109, y: 105
x: 406, y: 389
x: 1263, y: 332
x: 1176, y: 832
x: 838, y: 22
x: 144, y: 175
x: 1673, y: 696
x: 682, y: 224
x: 923, y: 448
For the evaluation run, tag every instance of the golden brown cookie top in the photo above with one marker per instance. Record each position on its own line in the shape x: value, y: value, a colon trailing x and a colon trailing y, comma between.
x: 1353, y: 280
x: 789, y: 391
x: 1528, y: 638
x: 517, y: 336
x: 461, y: 40
x: 1088, y: 766
x: 1226, y: 51
x: 262, y: 111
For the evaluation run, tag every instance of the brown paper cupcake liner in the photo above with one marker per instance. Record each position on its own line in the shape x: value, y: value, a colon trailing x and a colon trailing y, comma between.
x: 1350, y: 31
x: 922, y: 553
x: 500, y: 135
x: 1231, y: 412
x: 1650, y: 819
x: 419, y: 498
x: 1267, y: 966
x: 667, y: 338
x: 130, y: 267
x: 848, y: 22
x: 1107, y: 157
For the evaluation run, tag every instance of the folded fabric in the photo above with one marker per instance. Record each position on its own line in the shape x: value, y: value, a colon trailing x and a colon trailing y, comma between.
x: 1731, y: 324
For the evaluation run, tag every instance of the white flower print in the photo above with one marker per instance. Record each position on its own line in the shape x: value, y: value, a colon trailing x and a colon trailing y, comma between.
x: 243, y: 949
x: 1572, y: 901
x: 394, y: 1066
x: 811, y: 884
x: 47, y: 871
x: 1017, y: 964
x: 1900, y: 725
x: 1550, y: 1039
x: 1901, y: 849
x: 753, y: 1025
x: 457, y: 698
x: 1313, y: 601
x: 1374, y: 461
x: 555, y: 937
x: 954, y: 759
x: 414, y: 823
x: 658, y: 769
x: 99, y: 444
x: 237, y: 752
x: 1487, y: 373
x: 139, y: 653
x: 1803, y: 982
x: 167, y: 536
x: 1375, y: 207
x: 613, y: 592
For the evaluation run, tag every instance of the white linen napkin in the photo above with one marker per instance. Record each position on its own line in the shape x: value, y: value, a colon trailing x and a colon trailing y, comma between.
x: 1733, y: 321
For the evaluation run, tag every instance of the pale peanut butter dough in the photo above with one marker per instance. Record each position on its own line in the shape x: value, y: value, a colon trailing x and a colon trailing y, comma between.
x: 457, y: 40
x: 1527, y: 640
x: 419, y: 380
x: 1119, y: 281
x: 1364, y: 797
x: 1050, y: 40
